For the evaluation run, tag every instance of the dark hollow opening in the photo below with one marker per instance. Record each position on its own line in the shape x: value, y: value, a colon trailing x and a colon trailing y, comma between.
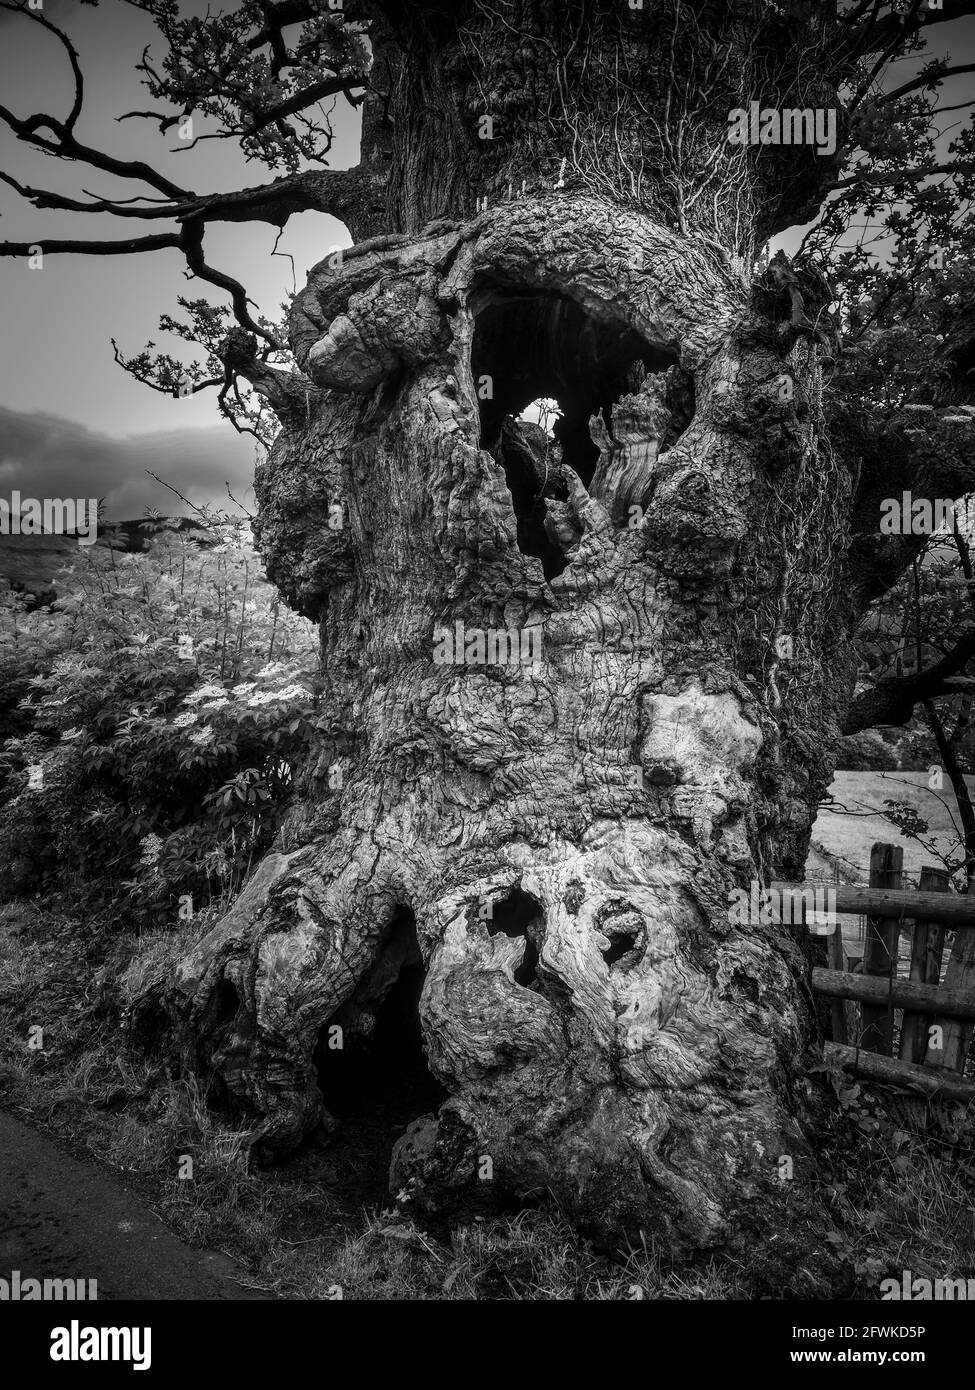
x: 224, y: 1013
x: 522, y: 451
x: 541, y: 344
x: 390, y: 1070
x: 620, y: 946
x: 226, y: 1002
x: 625, y: 934
x: 520, y: 915
x: 375, y: 1086
x: 150, y: 1026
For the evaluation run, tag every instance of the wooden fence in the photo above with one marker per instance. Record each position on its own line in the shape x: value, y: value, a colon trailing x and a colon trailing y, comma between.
x: 929, y: 1011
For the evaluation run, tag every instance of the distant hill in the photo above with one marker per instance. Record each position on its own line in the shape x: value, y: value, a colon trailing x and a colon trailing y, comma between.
x: 29, y: 563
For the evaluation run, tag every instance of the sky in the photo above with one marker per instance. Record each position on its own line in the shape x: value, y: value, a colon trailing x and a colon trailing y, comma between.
x: 67, y: 411
x: 62, y: 396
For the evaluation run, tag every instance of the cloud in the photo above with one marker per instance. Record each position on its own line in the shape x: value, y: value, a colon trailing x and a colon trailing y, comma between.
x: 47, y: 456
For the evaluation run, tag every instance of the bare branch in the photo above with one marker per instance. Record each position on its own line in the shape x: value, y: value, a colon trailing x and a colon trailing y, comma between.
x: 92, y: 248
x: 893, y: 701
x: 885, y: 180
x: 190, y: 241
x: 45, y: 198
x: 328, y: 87
x: 349, y: 194
x: 958, y: 106
x: 928, y: 78
x: 65, y: 146
x: 165, y: 122
x: 287, y: 392
x: 19, y: 7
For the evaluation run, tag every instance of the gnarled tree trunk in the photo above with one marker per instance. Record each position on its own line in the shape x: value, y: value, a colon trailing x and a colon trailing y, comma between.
x: 566, y: 826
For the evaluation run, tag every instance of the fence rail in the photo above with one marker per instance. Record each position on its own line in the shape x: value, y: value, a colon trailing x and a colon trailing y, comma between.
x: 929, y: 1059
x: 953, y: 910
x: 902, y: 994
x: 873, y: 1066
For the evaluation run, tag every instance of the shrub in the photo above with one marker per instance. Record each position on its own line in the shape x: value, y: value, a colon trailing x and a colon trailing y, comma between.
x: 170, y: 699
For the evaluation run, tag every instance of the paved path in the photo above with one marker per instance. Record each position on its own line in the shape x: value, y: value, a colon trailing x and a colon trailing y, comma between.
x: 63, y: 1218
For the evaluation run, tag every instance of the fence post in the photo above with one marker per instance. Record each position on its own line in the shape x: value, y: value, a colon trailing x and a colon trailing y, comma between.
x: 836, y: 956
x: 880, y: 949
x: 959, y: 975
x: 927, y: 947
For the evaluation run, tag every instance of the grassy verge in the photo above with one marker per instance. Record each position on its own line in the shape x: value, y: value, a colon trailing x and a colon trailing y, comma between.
x: 898, y: 1197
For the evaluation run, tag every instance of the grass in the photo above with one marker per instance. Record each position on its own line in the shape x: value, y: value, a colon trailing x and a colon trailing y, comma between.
x: 898, y: 1197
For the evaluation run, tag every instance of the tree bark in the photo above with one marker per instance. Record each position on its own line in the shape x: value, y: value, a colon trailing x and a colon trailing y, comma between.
x: 568, y: 827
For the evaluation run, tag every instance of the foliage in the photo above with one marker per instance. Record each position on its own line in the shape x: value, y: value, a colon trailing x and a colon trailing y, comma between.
x: 265, y: 98
x: 168, y: 701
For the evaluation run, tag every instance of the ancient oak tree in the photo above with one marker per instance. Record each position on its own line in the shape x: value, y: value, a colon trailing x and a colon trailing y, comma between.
x: 579, y: 686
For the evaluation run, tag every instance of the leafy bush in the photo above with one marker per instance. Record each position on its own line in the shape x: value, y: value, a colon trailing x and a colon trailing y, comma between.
x: 169, y: 703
